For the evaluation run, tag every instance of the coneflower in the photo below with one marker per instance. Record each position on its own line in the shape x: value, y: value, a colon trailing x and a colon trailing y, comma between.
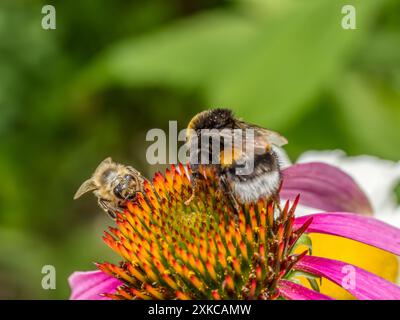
x: 205, y: 250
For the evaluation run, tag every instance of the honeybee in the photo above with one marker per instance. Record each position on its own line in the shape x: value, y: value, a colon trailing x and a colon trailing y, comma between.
x: 243, y: 155
x: 113, y: 184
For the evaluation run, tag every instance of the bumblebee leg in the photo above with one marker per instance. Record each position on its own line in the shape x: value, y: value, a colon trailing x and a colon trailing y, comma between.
x: 276, y: 196
x: 232, y: 199
x: 194, y: 189
x: 234, y: 203
x: 277, y: 200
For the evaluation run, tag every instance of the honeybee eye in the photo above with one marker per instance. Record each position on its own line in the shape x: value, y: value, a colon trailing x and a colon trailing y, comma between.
x: 117, y: 192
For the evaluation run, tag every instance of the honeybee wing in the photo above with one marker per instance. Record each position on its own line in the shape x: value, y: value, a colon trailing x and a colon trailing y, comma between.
x: 105, y: 163
x: 90, y: 185
x: 133, y: 170
x: 87, y: 186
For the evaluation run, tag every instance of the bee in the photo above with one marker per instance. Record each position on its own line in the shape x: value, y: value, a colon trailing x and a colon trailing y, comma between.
x: 113, y: 184
x: 244, y: 156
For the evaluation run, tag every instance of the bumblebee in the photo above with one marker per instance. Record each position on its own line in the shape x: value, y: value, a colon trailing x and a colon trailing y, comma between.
x: 242, y: 154
x: 113, y: 184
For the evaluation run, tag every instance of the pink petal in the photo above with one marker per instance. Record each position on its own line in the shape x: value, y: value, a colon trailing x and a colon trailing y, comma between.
x: 353, y: 226
x: 294, y: 291
x: 89, y: 285
x: 366, y: 285
x: 324, y: 187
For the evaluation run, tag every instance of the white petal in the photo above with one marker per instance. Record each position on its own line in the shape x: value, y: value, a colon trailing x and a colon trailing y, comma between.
x: 377, y: 177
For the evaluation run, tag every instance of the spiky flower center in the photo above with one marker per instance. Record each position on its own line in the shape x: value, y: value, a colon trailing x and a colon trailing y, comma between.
x: 203, y: 250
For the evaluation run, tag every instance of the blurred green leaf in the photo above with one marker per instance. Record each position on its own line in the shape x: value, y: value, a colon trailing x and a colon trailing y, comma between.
x: 268, y: 73
x: 372, y: 122
x: 186, y: 54
x: 293, y: 58
x: 22, y: 257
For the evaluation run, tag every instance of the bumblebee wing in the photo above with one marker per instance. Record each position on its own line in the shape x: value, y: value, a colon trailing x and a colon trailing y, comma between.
x: 262, y: 136
x: 226, y: 139
x: 264, y: 140
x: 244, y: 146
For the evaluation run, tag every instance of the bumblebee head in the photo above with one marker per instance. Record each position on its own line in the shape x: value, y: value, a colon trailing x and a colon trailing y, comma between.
x: 211, y: 119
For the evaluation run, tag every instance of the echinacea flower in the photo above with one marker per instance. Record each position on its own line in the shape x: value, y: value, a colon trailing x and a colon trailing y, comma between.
x: 205, y: 250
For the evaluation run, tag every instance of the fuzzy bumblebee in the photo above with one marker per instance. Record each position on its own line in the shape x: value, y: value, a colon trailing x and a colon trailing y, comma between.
x: 242, y: 153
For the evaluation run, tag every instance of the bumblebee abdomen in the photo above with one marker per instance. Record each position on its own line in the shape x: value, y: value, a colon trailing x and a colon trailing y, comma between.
x: 265, y: 185
x: 263, y: 181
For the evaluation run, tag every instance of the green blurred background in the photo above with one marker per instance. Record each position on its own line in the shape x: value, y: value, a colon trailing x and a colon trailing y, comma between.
x: 113, y: 70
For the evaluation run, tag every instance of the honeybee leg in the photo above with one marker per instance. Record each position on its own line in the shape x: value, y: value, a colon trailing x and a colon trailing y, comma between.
x: 144, y: 193
x: 110, y: 212
x: 134, y: 198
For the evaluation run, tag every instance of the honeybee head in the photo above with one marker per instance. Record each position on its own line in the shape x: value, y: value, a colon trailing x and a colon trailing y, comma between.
x: 125, y: 187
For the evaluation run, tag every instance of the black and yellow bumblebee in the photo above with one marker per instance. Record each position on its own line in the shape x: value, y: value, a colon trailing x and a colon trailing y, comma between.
x: 243, y: 154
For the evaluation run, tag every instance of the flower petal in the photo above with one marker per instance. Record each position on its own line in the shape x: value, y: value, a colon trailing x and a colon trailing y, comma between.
x: 368, y: 172
x: 89, y: 285
x: 353, y: 226
x: 294, y: 291
x: 324, y: 187
x: 363, y: 284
